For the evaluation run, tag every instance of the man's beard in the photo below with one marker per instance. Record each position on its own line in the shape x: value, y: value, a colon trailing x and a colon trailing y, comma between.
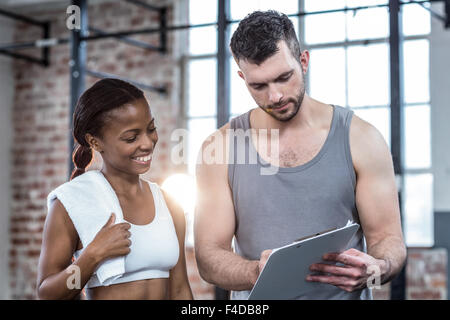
x: 287, y: 114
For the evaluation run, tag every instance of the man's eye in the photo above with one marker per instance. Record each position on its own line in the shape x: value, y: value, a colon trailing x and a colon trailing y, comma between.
x: 260, y: 87
x: 284, y: 79
x: 151, y: 129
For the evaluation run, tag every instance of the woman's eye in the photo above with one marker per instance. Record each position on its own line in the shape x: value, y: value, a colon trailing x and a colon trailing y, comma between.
x: 152, y: 129
x: 130, y: 140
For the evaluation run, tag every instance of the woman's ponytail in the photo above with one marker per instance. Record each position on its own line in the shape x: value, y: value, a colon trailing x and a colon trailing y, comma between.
x: 82, y: 158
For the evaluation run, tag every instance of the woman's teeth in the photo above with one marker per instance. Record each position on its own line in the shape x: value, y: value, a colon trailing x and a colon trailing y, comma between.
x: 143, y: 159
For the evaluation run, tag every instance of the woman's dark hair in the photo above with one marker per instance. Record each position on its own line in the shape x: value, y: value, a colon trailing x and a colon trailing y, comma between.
x: 258, y: 34
x: 91, y: 114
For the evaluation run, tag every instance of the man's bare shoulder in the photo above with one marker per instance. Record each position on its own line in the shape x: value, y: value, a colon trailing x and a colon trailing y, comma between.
x: 367, y: 144
x: 224, y: 128
x: 364, y: 132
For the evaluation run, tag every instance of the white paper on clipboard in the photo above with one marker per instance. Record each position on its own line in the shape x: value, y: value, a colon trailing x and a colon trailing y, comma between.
x: 283, y: 276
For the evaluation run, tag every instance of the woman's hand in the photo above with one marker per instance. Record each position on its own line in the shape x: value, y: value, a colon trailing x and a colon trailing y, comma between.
x: 111, y: 241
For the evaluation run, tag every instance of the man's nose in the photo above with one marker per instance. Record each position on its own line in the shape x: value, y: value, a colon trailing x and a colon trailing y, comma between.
x: 275, y: 94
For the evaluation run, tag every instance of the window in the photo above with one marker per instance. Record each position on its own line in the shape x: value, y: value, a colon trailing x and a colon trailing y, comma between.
x: 349, y: 66
x: 418, y: 183
x: 201, y: 71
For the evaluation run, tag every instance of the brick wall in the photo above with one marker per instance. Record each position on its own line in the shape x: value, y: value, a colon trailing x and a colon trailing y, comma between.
x: 6, y: 102
x: 426, y: 276
x: 41, y: 122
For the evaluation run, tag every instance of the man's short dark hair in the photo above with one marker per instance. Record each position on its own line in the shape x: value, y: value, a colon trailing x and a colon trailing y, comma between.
x: 259, y: 33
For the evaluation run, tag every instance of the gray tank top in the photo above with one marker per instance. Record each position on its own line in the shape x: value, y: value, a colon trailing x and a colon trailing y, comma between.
x: 272, y: 210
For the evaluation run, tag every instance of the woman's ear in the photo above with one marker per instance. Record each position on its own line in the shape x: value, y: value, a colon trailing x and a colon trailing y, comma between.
x: 93, y: 142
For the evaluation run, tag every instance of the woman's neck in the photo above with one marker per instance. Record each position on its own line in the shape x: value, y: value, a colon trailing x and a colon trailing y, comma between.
x: 122, y: 183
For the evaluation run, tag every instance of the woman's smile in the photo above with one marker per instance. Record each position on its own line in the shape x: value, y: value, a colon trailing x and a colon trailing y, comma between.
x: 143, y: 160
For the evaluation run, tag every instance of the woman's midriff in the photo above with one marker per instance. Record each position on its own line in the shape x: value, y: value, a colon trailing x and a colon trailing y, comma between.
x: 149, y: 289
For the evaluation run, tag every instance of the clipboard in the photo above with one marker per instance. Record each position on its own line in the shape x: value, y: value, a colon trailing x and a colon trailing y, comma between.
x: 283, y: 276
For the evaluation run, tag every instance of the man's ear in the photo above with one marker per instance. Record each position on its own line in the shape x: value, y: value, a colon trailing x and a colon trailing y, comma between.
x: 304, y: 60
x: 93, y: 142
x: 241, y: 74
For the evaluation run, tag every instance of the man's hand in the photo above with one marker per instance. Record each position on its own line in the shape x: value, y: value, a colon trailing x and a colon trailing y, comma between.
x: 261, y: 263
x: 353, y: 275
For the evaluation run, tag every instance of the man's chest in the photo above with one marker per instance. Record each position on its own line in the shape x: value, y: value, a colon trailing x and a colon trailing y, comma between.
x: 293, y: 156
x: 293, y: 151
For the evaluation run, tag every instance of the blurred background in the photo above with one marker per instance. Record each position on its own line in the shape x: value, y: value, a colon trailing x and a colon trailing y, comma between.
x: 386, y: 60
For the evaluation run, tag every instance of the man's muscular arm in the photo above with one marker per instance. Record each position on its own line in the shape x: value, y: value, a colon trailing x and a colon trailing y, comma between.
x: 215, y: 223
x: 377, y: 198
x: 379, y: 213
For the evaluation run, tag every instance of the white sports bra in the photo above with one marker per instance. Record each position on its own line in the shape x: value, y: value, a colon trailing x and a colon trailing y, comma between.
x: 154, y: 246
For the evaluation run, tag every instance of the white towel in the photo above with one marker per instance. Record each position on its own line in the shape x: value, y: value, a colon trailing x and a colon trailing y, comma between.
x: 89, y: 200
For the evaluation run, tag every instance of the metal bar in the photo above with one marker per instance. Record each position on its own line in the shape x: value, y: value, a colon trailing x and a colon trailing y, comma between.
x: 54, y: 41
x: 303, y: 13
x: 49, y: 42
x: 447, y: 12
x: 398, y: 284
x: 103, y: 75
x: 368, y: 107
x: 202, y: 56
x: 415, y: 104
x: 302, y: 40
x: 223, y: 84
x: 16, y: 16
x: 396, y: 86
x: 45, y: 49
x: 223, y: 64
x: 77, y: 68
x: 432, y: 12
x: 346, y: 9
x: 380, y: 106
x: 18, y: 45
x: 422, y: 1
x: 144, y: 5
x: 121, y: 34
x: 43, y: 43
x: 163, y: 33
x: 22, y: 57
x: 146, y: 30
x: 127, y: 40
x: 348, y: 43
x: 417, y: 171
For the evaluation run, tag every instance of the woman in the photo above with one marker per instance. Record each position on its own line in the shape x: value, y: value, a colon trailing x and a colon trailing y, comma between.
x: 113, y: 118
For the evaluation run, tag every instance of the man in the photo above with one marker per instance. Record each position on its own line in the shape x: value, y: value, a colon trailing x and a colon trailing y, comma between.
x: 332, y: 167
